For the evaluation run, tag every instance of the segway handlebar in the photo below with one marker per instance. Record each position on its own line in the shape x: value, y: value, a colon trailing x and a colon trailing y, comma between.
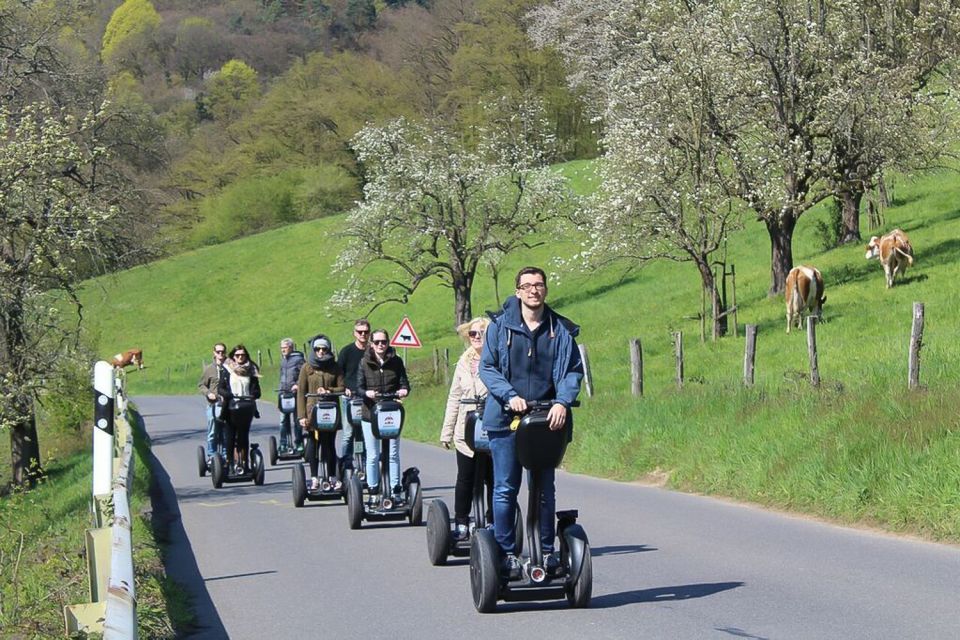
x: 238, y: 397
x: 473, y: 401
x: 539, y: 404
x: 330, y: 394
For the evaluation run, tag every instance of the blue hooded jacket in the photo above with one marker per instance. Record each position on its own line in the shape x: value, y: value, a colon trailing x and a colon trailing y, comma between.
x: 495, y: 360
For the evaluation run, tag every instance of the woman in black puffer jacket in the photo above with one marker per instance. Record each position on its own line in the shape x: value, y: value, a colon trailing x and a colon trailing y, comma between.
x: 381, y: 371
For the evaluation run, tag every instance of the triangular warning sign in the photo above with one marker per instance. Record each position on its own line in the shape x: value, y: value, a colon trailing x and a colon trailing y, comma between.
x: 405, y: 336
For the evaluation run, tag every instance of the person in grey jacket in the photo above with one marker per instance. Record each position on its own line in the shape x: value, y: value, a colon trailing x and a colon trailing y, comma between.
x: 291, y: 361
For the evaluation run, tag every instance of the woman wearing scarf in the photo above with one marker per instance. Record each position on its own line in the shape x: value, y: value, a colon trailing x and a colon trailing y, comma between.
x: 239, y: 389
x: 320, y: 374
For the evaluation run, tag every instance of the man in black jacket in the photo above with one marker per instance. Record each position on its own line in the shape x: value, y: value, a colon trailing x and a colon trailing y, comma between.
x: 349, y: 360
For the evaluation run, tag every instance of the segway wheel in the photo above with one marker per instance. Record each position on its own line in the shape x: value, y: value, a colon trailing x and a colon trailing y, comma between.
x: 580, y: 592
x: 218, y: 472
x: 272, y: 450
x: 347, y: 475
x: 202, y: 461
x: 438, y: 532
x: 354, y: 503
x: 484, y: 561
x: 258, y: 467
x: 299, y: 485
x: 415, y: 515
x: 518, y: 528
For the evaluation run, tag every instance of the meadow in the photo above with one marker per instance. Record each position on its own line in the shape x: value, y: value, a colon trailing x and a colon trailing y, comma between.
x: 861, y: 449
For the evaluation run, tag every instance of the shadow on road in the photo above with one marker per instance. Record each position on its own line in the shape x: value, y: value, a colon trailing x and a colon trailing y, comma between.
x: 180, y: 434
x: 662, y: 594
x: 178, y: 558
x: 620, y: 550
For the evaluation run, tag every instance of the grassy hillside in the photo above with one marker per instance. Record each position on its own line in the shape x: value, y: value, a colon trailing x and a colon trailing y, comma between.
x: 862, y: 449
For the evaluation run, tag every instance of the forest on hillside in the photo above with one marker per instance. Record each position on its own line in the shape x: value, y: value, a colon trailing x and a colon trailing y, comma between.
x: 244, y: 110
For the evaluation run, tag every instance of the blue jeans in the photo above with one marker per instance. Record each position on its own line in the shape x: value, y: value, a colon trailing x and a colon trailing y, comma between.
x: 214, y: 431
x: 346, y: 431
x: 506, y: 485
x: 372, y: 446
x: 288, y: 426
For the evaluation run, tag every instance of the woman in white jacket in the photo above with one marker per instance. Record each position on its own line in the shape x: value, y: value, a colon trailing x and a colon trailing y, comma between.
x: 466, y: 385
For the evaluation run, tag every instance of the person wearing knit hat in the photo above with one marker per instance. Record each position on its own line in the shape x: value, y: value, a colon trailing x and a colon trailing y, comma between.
x: 320, y: 374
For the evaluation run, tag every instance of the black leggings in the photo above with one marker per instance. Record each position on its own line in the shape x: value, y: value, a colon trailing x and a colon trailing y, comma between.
x: 328, y: 442
x: 463, y: 494
x: 236, y: 432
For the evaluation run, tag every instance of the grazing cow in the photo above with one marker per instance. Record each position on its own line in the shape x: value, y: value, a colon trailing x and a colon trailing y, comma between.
x: 804, y: 291
x: 128, y: 357
x: 894, y: 251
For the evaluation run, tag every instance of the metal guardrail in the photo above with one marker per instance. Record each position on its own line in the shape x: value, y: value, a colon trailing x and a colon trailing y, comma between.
x: 112, y: 609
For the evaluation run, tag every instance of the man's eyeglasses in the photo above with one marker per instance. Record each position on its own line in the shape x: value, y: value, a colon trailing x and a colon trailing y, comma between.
x: 220, y: 351
x: 380, y: 342
x: 361, y: 332
x: 320, y: 349
x: 475, y: 334
x: 527, y: 286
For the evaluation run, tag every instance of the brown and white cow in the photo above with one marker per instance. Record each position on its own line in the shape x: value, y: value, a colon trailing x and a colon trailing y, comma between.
x: 804, y: 291
x: 894, y: 251
x: 128, y: 357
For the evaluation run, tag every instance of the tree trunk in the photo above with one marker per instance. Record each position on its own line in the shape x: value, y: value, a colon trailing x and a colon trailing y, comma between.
x: 709, y: 285
x: 850, y: 219
x: 780, y: 228
x: 25, y: 446
x: 462, y: 288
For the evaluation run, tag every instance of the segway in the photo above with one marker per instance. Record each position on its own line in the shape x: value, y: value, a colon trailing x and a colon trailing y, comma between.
x: 386, y: 420
x: 221, y: 470
x: 205, y: 464
x: 440, y: 539
x: 327, y: 414
x: 293, y: 449
x: 355, y: 417
x: 538, y: 448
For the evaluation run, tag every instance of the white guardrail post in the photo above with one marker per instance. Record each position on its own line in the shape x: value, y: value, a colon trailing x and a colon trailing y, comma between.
x: 112, y: 609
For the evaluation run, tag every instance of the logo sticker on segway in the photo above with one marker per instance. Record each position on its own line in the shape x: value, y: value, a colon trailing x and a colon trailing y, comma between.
x: 405, y: 336
x: 388, y: 423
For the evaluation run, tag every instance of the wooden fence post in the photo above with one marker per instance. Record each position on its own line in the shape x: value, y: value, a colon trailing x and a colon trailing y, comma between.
x: 436, y: 364
x: 270, y: 356
x: 446, y: 367
x: 678, y: 351
x: 916, y: 342
x: 259, y: 359
x: 733, y: 277
x: 812, y: 350
x: 715, y: 309
x: 750, y: 355
x: 587, y: 374
x: 636, y: 367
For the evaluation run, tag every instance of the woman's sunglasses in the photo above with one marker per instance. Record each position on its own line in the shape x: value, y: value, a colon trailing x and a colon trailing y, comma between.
x: 475, y: 334
x: 381, y: 342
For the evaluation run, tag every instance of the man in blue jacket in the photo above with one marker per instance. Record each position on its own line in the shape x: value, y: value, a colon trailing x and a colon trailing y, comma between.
x: 529, y: 354
x: 291, y: 361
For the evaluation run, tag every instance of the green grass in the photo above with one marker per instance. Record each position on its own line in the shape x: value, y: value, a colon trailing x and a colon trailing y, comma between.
x: 42, y: 558
x: 862, y: 449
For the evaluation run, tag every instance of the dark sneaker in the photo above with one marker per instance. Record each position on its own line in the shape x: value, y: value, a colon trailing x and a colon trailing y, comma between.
x: 551, y: 562
x: 510, y: 567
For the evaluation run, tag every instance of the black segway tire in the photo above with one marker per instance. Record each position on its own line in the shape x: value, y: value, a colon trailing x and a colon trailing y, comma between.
x: 258, y: 467
x: 518, y: 528
x: 218, y: 472
x: 299, y: 485
x: 347, y: 475
x: 438, y: 533
x: 202, y: 461
x: 484, y: 568
x: 272, y: 450
x: 354, y: 503
x: 581, y: 590
x: 415, y: 515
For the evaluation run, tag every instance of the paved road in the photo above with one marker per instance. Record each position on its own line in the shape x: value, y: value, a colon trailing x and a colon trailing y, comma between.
x: 666, y: 565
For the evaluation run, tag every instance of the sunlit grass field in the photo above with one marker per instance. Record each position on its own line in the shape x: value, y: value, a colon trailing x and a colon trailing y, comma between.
x: 861, y: 449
